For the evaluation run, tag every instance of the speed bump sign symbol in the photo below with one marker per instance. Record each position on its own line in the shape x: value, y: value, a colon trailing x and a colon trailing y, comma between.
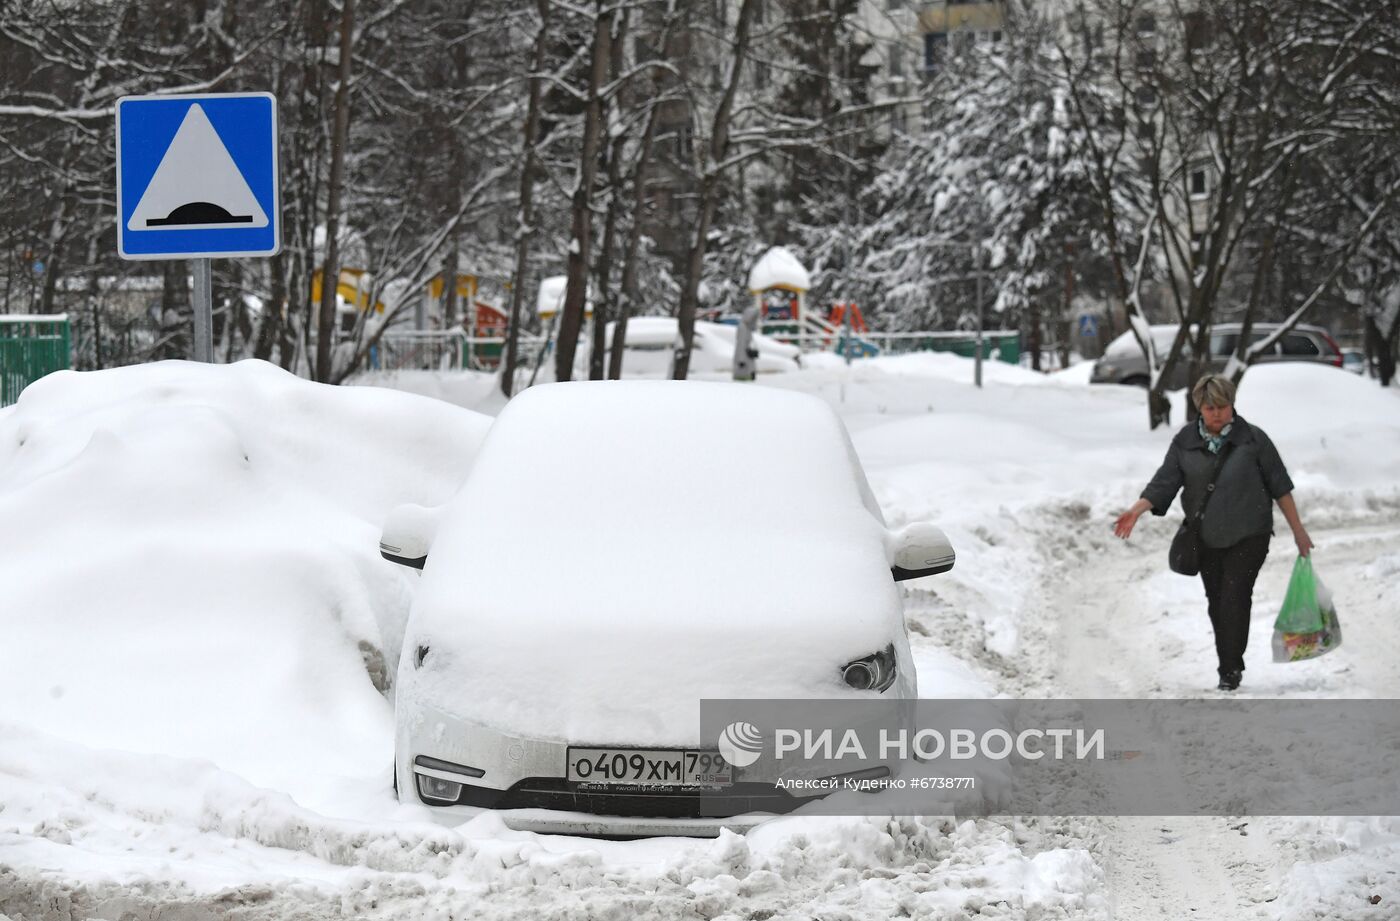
x: 197, y: 176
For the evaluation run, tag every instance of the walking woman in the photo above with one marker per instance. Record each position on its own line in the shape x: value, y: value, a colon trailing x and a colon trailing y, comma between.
x: 1238, y: 520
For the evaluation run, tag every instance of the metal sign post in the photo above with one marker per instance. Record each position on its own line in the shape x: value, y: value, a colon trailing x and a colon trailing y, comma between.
x: 203, y: 303
x: 197, y: 178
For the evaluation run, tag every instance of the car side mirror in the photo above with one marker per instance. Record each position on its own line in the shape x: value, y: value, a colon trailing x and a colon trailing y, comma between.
x: 918, y: 550
x: 408, y: 533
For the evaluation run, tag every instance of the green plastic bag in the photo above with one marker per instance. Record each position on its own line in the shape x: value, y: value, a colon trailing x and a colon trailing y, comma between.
x: 1301, y: 612
x: 1307, y: 626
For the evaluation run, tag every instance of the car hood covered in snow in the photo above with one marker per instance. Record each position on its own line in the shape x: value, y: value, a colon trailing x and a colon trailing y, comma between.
x: 623, y: 550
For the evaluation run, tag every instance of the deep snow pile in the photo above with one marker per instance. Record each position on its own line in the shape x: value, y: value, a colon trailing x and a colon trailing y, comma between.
x: 200, y: 615
x: 190, y: 561
x: 189, y: 564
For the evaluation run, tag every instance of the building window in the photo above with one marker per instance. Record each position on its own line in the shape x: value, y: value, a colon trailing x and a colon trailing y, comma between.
x: 996, y: 37
x: 1199, y: 182
x: 896, y: 60
x: 1198, y: 32
x: 1146, y: 95
x: 1146, y: 24
x: 935, y: 50
x: 894, y: 4
x: 1198, y: 247
x: 1146, y: 59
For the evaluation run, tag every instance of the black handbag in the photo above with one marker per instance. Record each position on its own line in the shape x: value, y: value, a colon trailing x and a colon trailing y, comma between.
x: 1185, y: 554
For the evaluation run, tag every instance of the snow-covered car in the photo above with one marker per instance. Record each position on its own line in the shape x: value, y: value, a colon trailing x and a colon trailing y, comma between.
x: 618, y: 552
x: 651, y: 341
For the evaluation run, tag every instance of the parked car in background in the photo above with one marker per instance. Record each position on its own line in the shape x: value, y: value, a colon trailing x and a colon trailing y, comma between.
x: 652, y: 340
x: 1124, y: 363
x: 618, y: 552
x: 1354, y: 360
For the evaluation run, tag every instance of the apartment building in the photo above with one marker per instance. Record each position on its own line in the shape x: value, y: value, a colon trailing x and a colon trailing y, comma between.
x: 913, y: 40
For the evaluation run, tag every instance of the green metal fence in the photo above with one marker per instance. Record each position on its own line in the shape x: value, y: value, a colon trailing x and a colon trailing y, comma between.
x: 30, y: 347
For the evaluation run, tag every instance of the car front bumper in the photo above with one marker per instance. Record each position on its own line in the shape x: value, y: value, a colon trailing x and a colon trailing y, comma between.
x: 526, y: 779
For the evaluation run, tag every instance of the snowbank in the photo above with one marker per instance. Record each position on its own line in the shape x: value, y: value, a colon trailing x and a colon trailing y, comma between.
x: 189, y: 568
x: 1333, y: 429
x: 190, y: 563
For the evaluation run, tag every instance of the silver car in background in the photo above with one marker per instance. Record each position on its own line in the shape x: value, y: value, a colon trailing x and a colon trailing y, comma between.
x: 1124, y: 363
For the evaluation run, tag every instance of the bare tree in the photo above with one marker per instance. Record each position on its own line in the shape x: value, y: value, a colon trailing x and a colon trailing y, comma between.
x: 581, y: 237
x: 525, y: 222
x: 714, y: 163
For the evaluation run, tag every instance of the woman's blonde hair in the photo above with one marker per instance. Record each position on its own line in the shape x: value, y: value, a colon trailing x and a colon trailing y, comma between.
x: 1213, y: 390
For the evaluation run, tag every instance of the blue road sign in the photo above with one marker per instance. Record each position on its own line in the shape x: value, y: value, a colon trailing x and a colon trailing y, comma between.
x: 1088, y: 324
x: 197, y: 176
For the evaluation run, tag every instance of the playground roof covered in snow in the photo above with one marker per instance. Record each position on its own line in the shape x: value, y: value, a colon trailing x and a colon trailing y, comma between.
x: 778, y: 268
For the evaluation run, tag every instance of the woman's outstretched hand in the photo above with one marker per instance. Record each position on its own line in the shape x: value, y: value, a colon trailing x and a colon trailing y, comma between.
x: 1123, y: 526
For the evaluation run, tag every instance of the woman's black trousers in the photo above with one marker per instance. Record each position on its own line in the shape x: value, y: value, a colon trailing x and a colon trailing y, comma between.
x: 1228, y: 574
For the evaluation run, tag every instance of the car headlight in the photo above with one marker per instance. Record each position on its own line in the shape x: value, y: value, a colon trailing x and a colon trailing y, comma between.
x: 872, y: 673
x: 1105, y: 370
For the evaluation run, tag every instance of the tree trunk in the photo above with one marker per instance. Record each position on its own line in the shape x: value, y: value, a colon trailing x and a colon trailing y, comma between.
x: 612, y: 151
x: 330, y: 271
x: 1380, y: 349
x: 449, y: 285
x: 525, y: 229
x: 603, y: 302
x: 269, y: 324
x: 174, y: 312
x: 630, y: 295
x: 709, y: 193
x: 576, y: 292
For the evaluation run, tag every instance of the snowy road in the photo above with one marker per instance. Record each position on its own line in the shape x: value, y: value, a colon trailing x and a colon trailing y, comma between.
x: 1124, y: 626
x: 1121, y: 625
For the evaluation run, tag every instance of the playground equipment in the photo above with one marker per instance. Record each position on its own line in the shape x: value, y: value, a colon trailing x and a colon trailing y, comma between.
x: 779, y: 285
x: 354, y: 287
x: 480, y: 320
x: 550, y: 299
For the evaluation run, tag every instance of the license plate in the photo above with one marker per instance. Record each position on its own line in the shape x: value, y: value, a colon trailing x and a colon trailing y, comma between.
x: 639, y: 766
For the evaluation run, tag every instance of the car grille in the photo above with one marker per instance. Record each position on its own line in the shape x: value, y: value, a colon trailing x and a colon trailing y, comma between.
x: 557, y: 793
